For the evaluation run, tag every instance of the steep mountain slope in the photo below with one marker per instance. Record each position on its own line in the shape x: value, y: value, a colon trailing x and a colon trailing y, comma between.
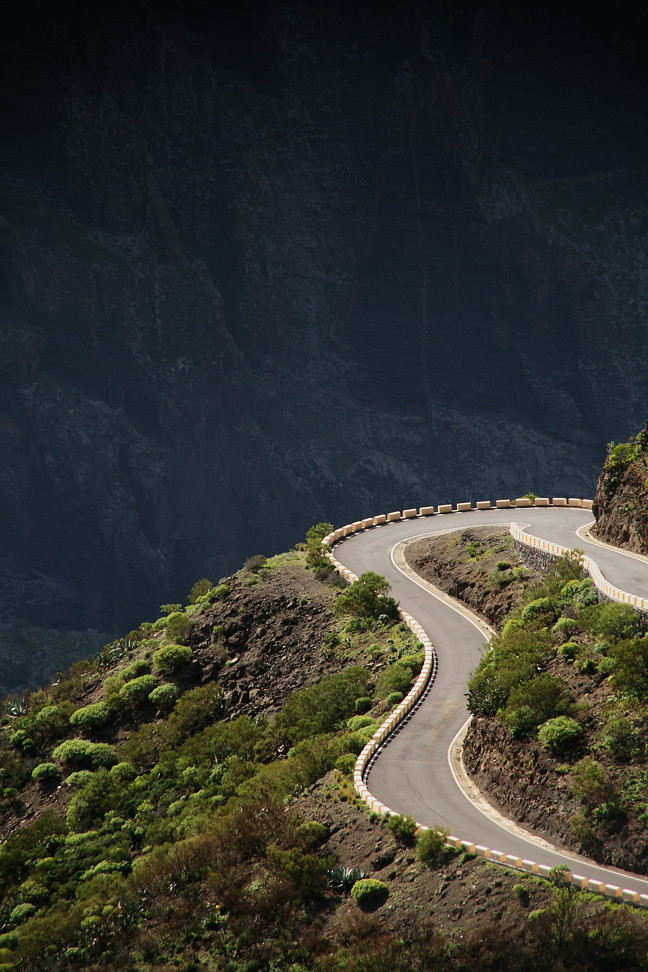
x: 263, y: 262
x: 185, y: 801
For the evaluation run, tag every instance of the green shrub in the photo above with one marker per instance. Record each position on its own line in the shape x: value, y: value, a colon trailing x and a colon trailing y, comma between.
x: 137, y: 691
x: 78, y: 778
x: 394, y: 699
x: 394, y: 678
x: 320, y: 707
x: 369, y: 891
x: 559, y: 735
x: 606, y: 666
x: 431, y: 845
x: 171, y: 658
x: 612, y: 621
x: 199, y: 589
x: 94, y: 716
x: 20, y: 740
x: 82, y: 753
x: 631, y: 666
x: 402, y: 827
x: 367, y: 598
x: 623, y: 738
x: 312, y: 834
x: 565, y: 627
x: 534, y: 702
x: 359, y: 722
x: 569, y: 650
x: 536, y: 609
x: 178, y: 626
x: 514, y: 658
x: 9, y: 940
x: 511, y: 625
x: 592, y: 784
x: 587, y: 594
x: 568, y: 592
x: 346, y: 764
x: 46, y: 773
x: 139, y: 667
x: 521, y: 892
x: 314, y: 552
x: 123, y: 772
x: 21, y: 913
x: 363, y: 704
x: 413, y: 662
x: 164, y: 696
x: 217, y: 593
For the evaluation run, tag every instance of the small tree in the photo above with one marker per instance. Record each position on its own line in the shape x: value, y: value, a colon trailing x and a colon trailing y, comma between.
x: 367, y: 598
x: 200, y: 588
x: 314, y: 555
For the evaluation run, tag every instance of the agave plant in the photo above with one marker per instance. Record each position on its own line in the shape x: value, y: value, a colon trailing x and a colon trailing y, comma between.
x: 343, y: 878
x: 15, y: 708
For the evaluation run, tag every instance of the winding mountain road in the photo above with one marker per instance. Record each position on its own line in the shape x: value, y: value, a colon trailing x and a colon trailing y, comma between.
x: 416, y: 773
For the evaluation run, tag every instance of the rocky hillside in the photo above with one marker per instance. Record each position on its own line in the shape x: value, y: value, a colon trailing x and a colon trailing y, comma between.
x: 184, y: 801
x: 265, y: 262
x: 621, y: 501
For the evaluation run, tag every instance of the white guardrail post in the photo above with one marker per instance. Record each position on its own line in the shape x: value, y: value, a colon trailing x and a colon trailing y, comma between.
x: 428, y: 673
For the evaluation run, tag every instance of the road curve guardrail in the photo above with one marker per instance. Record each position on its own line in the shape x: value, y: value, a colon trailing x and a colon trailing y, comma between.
x: 430, y: 666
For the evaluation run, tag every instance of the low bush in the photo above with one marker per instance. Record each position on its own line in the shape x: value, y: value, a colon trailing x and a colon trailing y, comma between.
x: 21, y: 913
x: 431, y: 846
x: 91, y: 717
x: 178, y: 626
x: 164, y: 696
x: 537, y: 609
x: 414, y: 662
x: 139, y: 667
x: 199, y: 589
x: 394, y: 678
x: 592, y: 783
x: 82, y: 753
x: 568, y: 592
x: 369, y: 891
x: 559, y: 735
x: 586, y: 594
x: 402, y: 827
x: 137, y: 691
x: 359, y: 722
x: 345, y: 764
x: 569, y: 650
x: 312, y: 834
x: 78, y: 778
x: 534, y: 702
x: 394, y: 699
x: 254, y: 563
x: 171, y: 658
x: 521, y: 892
x: 363, y: 704
x: 46, y: 774
x: 565, y: 627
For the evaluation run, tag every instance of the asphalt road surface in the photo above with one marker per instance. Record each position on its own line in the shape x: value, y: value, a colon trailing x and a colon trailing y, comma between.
x: 413, y: 774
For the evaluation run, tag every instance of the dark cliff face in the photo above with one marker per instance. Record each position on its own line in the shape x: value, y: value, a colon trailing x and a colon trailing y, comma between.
x: 263, y: 264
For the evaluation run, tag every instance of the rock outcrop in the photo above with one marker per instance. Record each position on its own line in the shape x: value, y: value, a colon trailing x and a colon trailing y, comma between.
x: 621, y: 501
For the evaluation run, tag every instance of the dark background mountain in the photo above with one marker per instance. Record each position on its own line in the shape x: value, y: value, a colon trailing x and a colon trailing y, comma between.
x: 267, y: 263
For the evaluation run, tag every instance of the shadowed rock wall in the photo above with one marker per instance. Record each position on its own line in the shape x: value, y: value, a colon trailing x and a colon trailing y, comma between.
x: 265, y: 264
